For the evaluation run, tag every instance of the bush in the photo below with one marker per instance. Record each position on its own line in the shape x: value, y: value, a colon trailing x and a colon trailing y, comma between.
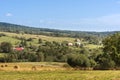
x: 29, y: 39
x: 2, y: 59
x: 111, y: 46
x: 6, y: 47
x: 78, y: 60
x: 105, y: 62
x: 2, y: 34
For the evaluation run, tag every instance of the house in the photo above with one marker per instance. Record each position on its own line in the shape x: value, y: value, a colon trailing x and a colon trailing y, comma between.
x: 18, y: 48
x: 77, y: 40
x: 78, y: 43
x: 70, y: 44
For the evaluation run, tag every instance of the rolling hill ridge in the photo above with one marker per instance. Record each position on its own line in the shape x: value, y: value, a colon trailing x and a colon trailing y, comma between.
x: 14, y: 28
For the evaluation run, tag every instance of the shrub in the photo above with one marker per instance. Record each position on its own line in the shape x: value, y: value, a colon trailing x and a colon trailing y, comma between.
x: 105, y: 62
x: 6, y: 47
x: 2, y: 34
x: 78, y: 60
x: 29, y: 39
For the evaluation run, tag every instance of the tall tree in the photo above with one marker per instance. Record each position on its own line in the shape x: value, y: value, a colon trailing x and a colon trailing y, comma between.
x: 112, y: 47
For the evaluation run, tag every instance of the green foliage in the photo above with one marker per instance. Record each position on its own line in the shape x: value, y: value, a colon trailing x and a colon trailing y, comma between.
x: 1, y: 34
x: 110, y: 59
x: 5, y: 47
x: 79, y: 60
x: 40, y: 56
x: 40, y: 41
x: 112, y: 47
x: 105, y: 62
x: 23, y: 43
x: 29, y: 39
x: 51, y: 51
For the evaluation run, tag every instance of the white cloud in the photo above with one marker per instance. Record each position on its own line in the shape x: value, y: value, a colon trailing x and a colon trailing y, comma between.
x: 8, y: 14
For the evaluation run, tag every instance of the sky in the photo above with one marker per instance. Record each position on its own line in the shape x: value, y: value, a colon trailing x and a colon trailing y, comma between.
x: 76, y: 15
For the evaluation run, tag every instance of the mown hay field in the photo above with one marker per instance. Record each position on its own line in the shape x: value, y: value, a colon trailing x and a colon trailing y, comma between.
x: 52, y: 71
x: 32, y: 66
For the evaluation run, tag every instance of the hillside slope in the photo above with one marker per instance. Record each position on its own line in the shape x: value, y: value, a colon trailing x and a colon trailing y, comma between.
x: 7, y: 27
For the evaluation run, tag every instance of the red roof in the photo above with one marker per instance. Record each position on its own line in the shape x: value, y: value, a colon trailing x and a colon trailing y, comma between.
x: 19, y: 48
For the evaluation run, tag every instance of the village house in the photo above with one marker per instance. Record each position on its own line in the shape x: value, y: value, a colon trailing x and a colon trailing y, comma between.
x: 70, y: 44
x: 18, y: 48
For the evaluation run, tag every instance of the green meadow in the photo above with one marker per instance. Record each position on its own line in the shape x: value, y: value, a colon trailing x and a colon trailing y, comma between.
x: 59, y: 75
x: 10, y: 37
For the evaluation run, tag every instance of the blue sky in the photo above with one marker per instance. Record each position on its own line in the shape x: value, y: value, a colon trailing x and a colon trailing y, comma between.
x: 79, y: 15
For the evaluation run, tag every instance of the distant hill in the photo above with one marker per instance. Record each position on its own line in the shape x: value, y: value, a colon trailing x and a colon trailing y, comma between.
x: 8, y: 27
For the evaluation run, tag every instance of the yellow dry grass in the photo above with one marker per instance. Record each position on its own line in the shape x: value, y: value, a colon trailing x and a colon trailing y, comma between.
x: 28, y: 66
x: 52, y: 71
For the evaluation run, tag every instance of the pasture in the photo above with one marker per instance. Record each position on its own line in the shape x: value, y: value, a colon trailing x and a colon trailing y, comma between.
x: 52, y: 71
x: 35, y: 37
x: 10, y: 37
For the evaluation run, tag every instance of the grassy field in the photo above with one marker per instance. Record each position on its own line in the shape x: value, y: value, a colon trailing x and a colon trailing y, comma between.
x: 10, y: 38
x: 27, y: 66
x: 92, y: 46
x: 52, y: 71
x: 59, y: 75
x: 46, y: 38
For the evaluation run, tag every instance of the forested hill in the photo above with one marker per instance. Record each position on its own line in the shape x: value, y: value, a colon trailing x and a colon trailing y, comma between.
x: 8, y: 27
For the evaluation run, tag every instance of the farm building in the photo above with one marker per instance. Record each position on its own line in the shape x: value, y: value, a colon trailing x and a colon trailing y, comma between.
x: 70, y: 44
x: 18, y: 48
